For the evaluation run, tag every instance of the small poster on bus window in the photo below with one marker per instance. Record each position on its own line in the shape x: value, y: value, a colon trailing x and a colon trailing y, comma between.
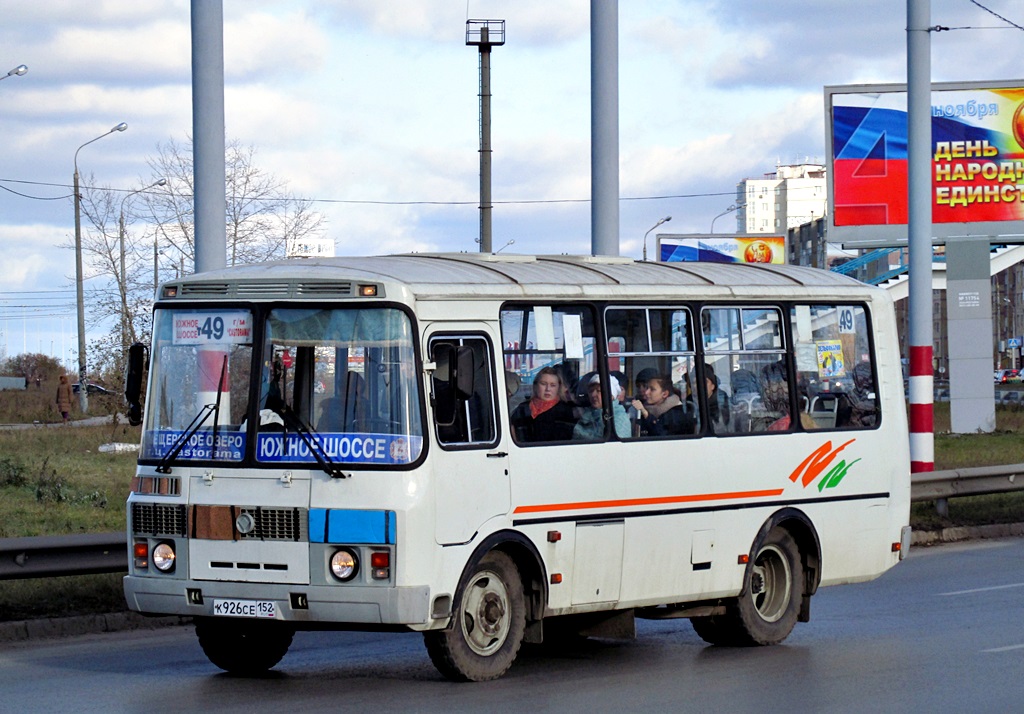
x: 830, y: 359
x: 212, y: 328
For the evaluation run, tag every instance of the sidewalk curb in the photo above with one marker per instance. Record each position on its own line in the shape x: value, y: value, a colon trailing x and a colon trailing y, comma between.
x: 51, y: 627
x: 957, y: 534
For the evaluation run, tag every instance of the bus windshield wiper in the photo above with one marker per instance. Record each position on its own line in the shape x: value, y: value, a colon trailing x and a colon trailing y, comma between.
x: 164, y: 467
x: 326, y: 463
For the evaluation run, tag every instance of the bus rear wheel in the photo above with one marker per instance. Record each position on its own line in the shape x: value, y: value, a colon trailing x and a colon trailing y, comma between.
x: 487, y: 624
x: 244, y: 647
x: 767, y: 610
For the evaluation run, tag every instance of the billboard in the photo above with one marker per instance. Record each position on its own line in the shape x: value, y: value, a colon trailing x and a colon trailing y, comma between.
x: 977, y: 153
x: 722, y: 248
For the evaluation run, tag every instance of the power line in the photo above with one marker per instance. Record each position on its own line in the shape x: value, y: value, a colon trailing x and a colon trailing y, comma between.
x: 368, y: 202
x: 996, y: 14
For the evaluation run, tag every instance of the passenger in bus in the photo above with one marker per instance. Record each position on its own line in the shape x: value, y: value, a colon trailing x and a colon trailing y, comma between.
x: 863, y: 410
x: 545, y: 416
x: 345, y: 412
x: 591, y: 423
x: 718, y: 402
x: 661, y: 411
x: 775, y: 395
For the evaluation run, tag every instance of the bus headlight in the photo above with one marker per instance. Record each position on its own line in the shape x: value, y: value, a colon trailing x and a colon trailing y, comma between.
x: 344, y: 565
x: 163, y: 557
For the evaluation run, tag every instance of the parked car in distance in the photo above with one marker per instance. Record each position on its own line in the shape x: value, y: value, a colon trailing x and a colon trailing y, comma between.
x: 1005, y: 376
x: 91, y: 388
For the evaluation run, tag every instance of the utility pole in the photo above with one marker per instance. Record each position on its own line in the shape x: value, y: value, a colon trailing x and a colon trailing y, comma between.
x: 485, y: 34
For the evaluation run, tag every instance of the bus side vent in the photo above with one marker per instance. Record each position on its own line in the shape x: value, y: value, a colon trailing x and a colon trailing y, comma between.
x: 262, y: 289
x: 204, y: 289
x: 159, y: 519
x: 336, y: 289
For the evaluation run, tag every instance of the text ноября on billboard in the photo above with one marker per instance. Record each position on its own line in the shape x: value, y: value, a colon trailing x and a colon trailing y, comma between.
x: 977, y: 153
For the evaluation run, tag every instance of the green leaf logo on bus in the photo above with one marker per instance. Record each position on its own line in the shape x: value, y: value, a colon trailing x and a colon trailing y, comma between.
x: 819, y: 460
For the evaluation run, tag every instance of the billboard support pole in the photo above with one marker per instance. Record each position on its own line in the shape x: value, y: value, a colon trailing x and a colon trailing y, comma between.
x: 919, y: 225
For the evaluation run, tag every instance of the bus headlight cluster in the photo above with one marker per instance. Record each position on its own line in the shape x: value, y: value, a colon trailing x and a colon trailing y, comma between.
x: 344, y: 564
x: 163, y: 557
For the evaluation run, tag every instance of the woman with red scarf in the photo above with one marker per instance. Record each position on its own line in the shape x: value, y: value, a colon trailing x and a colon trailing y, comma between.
x: 545, y: 416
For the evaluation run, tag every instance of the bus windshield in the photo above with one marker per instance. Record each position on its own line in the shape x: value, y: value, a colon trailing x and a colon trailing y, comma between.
x: 339, y: 384
x: 348, y: 378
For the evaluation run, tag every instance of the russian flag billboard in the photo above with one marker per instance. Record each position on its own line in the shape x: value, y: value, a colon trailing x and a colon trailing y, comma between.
x: 977, y: 152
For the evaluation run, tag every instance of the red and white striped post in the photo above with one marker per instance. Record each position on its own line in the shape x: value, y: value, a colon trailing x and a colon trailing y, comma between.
x: 919, y: 234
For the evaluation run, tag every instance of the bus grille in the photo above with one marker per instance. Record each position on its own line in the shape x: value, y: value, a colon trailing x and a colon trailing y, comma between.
x: 275, y: 524
x: 158, y: 519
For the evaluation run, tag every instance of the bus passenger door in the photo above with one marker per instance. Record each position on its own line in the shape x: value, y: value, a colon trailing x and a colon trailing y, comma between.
x: 469, y: 458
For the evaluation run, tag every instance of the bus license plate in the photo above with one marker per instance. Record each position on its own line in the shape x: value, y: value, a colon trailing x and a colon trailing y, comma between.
x: 244, y: 608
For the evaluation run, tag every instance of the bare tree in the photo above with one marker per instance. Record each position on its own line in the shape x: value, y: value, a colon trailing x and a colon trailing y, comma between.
x: 158, y: 235
x: 262, y: 216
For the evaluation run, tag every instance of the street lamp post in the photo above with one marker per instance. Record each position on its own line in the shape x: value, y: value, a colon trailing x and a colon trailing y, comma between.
x: 83, y: 399
x: 123, y: 281
x: 666, y: 219
x: 730, y: 209
x: 17, y: 71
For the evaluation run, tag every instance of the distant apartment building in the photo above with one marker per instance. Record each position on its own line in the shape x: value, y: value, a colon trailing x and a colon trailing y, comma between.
x: 786, y: 198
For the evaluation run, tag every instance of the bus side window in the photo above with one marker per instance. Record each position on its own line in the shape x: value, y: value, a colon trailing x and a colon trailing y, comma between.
x: 835, y: 365
x: 463, y: 386
x: 652, y: 348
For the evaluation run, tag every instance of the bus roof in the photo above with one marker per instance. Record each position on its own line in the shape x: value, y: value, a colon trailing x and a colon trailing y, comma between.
x: 478, y: 275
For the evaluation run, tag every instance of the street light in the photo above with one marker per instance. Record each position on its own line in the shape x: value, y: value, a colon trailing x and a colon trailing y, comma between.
x: 123, y: 282
x: 19, y: 70
x: 83, y: 399
x: 666, y: 219
x: 730, y: 209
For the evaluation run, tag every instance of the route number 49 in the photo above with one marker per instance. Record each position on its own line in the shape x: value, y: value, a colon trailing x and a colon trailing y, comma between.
x: 846, y: 324
x: 212, y: 328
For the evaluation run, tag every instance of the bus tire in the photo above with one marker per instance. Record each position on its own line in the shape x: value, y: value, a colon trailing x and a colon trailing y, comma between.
x: 487, y: 626
x: 767, y: 610
x: 721, y: 630
x: 243, y: 647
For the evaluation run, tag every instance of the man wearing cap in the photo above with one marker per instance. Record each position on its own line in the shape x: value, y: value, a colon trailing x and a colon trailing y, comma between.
x: 591, y: 423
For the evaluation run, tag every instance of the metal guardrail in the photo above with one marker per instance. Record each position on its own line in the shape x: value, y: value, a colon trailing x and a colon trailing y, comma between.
x: 51, y: 556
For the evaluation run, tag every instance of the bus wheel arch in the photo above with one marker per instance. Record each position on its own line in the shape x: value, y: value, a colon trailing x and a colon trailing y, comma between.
x: 802, y: 530
x: 780, y: 576
x: 500, y: 593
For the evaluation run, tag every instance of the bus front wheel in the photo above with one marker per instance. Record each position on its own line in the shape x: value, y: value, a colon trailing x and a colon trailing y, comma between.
x: 487, y: 624
x: 244, y: 647
x: 767, y: 610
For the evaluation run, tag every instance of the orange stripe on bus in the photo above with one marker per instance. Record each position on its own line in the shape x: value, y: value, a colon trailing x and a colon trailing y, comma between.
x: 661, y: 500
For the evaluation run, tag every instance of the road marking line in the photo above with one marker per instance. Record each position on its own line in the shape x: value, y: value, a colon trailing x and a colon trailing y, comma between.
x: 982, y: 590
x: 1005, y: 649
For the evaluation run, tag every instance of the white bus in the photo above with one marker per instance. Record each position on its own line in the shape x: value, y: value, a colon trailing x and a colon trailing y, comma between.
x: 499, y: 449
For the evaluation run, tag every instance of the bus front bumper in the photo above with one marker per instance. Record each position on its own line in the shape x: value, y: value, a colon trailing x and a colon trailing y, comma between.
x: 355, y: 605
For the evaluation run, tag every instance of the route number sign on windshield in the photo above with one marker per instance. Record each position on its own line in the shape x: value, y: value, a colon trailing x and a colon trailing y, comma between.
x: 212, y: 328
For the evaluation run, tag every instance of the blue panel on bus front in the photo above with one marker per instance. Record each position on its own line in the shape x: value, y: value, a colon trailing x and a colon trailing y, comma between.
x: 338, y: 525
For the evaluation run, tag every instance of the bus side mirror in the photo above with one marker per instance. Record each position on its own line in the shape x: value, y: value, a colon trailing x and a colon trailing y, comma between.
x: 133, y: 378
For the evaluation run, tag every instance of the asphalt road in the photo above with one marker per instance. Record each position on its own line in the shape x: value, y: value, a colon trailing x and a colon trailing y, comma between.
x: 942, y: 632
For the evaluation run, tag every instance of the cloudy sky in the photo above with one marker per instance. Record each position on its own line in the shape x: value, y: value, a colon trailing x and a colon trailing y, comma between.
x: 370, y: 110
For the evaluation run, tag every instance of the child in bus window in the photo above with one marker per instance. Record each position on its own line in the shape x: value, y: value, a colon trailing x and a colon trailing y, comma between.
x: 661, y: 411
x: 546, y: 415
